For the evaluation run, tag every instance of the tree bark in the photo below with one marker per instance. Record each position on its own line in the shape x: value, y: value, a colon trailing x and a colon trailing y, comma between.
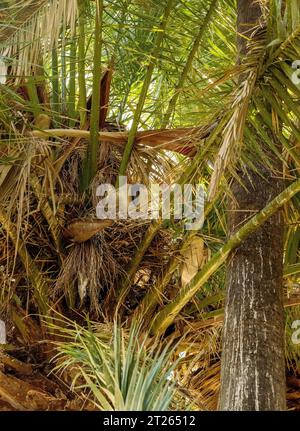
x: 253, y: 362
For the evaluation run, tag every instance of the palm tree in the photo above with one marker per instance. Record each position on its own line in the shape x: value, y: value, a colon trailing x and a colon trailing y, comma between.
x: 153, y: 90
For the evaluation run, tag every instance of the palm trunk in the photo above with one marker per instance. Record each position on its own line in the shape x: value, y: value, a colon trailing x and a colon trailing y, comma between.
x: 253, y: 366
